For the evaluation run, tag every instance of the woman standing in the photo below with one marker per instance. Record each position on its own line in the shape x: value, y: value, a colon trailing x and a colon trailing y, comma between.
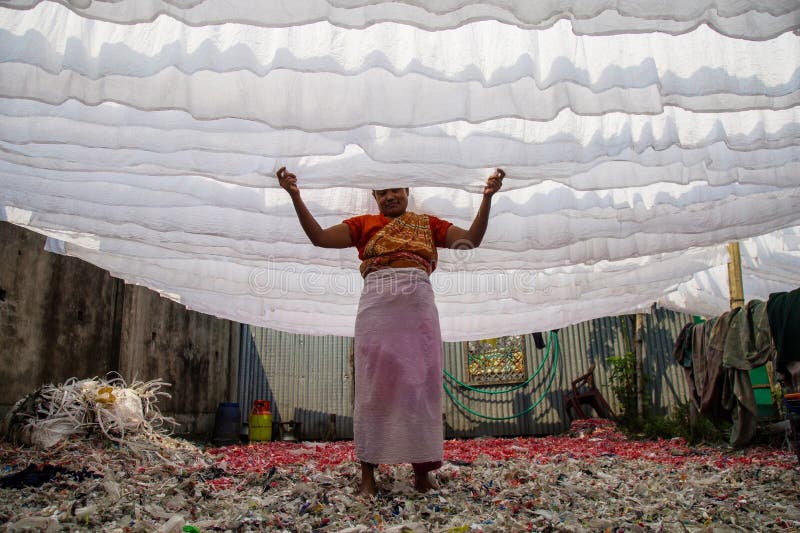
x: 398, y: 345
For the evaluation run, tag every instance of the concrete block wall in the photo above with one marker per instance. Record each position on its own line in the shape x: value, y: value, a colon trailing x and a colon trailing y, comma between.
x: 61, y: 317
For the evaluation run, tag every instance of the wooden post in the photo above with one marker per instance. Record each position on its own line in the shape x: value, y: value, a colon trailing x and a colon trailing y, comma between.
x: 735, y: 276
x: 639, y: 349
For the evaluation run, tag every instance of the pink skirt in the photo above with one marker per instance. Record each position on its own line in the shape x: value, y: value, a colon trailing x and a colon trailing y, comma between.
x: 397, y: 416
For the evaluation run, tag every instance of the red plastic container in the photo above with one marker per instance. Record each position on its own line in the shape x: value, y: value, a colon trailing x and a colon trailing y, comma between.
x: 261, y: 407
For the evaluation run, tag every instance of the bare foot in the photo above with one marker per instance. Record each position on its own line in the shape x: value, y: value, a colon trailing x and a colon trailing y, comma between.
x: 367, y: 488
x: 424, y: 483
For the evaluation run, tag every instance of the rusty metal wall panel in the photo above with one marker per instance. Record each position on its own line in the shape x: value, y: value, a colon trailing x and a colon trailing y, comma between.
x: 580, y: 346
x: 501, y: 408
x: 667, y: 379
x: 594, y: 342
x: 307, y: 377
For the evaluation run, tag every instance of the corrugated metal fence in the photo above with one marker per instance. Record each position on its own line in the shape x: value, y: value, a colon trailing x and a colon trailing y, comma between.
x: 308, y: 378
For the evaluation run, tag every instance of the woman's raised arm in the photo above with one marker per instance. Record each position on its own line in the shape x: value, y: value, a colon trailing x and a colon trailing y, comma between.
x: 461, y: 238
x: 337, y: 236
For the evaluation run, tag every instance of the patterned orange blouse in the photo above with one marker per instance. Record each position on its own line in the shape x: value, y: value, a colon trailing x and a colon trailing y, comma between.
x: 409, y: 240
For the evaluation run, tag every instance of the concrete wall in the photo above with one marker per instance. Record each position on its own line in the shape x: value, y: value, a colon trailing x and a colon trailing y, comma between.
x: 57, y: 315
x: 195, y: 352
x: 61, y: 317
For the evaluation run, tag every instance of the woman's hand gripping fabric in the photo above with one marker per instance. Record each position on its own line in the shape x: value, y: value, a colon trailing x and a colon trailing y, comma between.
x: 494, y: 182
x: 287, y: 180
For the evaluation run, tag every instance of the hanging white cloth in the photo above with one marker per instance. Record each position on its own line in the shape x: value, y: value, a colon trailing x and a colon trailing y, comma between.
x: 638, y: 138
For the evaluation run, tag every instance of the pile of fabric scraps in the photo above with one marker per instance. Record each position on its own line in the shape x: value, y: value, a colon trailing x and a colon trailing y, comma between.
x: 105, y: 408
x: 592, y: 479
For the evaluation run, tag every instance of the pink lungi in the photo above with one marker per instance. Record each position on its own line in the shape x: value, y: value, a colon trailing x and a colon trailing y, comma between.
x: 398, y: 370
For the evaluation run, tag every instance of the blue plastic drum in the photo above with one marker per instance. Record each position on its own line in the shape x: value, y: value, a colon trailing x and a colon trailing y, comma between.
x: 226, y: 424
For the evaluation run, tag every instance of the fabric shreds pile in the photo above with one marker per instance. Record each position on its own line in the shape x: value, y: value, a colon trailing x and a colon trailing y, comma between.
x: 104, y: 408
x: 592, y: 479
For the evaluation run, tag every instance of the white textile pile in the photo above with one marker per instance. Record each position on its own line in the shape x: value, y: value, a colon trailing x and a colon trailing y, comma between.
x: 97, y: 407
x: 638, y: 138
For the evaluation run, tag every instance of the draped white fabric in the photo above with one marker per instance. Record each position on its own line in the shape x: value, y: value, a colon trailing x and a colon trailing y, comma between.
x: 638, y: 137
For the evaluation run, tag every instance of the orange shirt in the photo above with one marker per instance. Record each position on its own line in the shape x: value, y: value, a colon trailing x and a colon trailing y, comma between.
x: 364, y: 227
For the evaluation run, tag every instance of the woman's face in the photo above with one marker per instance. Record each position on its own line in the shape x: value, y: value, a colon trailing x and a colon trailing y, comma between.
x: 391, y: 202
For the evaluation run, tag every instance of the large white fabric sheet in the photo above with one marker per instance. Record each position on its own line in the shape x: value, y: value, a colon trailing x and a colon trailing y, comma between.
x: 638, y: 139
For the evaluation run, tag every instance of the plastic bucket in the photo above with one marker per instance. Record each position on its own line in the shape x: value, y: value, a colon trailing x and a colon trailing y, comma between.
x: 260, y: 421
x: 226, y: 423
